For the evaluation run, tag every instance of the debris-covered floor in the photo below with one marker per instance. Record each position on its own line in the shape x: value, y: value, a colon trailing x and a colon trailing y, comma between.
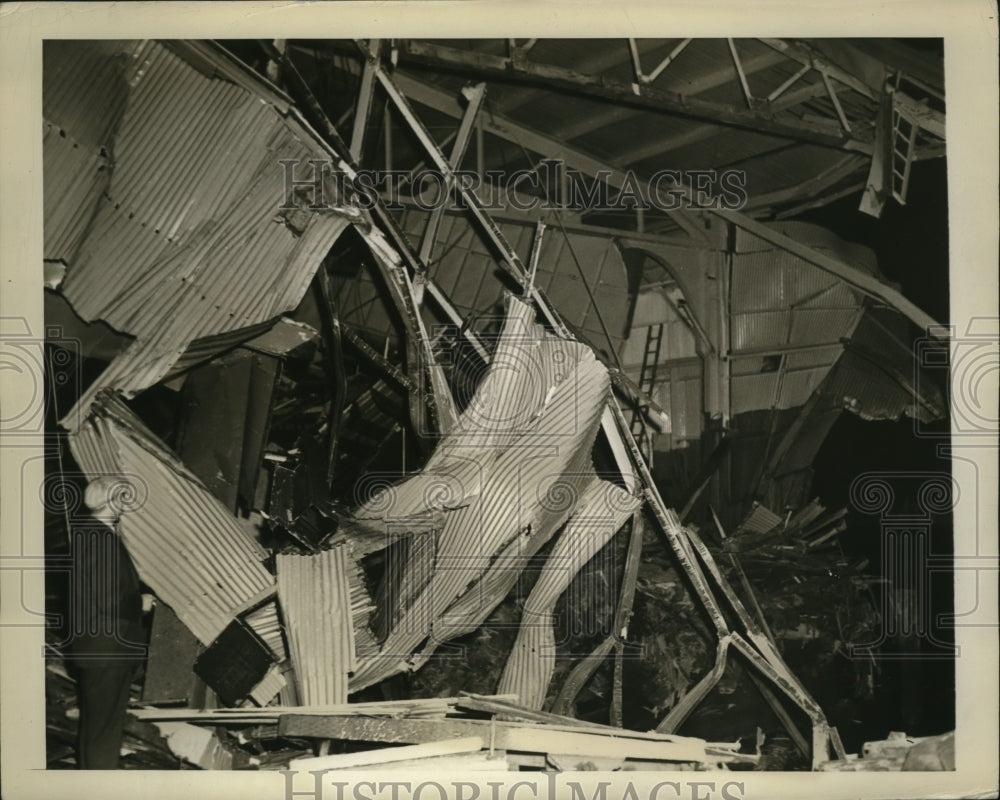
x: 421, y: 487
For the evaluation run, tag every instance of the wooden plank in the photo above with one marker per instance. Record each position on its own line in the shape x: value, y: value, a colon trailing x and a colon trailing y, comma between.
x: 386, y: 708
x: 446, y: 747
x: 482, y: 761
x: 505, y: 736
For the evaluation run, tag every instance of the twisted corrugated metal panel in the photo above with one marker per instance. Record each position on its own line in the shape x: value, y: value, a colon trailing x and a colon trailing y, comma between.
x: 185, y: 544
x: 602, y: 510
x: 517, y: 462
x: 316, y: 600
x: 185, y: 241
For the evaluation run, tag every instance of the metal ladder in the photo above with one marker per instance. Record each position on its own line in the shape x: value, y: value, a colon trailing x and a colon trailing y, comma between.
x: 904, y: 137
x: 647, y: 380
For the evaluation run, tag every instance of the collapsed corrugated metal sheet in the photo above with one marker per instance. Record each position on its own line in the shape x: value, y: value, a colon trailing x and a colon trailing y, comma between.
x: 511, y: 472
x: 602, y: 510
x: 166, y: 210
x: 186, y: 546
x: 317, y: 603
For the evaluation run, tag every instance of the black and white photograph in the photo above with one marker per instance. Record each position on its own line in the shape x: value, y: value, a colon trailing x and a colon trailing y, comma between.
x: 499, y: 410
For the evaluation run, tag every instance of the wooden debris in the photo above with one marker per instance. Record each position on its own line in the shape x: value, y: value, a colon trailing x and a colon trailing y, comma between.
x: 393, y: 709
x: 198, y: 746
x: 366, y: 758
x: 899, y: 753
x: 520, y: 737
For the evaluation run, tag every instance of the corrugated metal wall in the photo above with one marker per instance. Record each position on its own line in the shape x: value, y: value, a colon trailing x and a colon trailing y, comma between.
x: 316, y: 600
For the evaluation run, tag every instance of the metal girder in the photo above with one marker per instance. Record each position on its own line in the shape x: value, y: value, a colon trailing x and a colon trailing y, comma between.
x: 475, y: 97
x: 699, y: 133
x: 533, y: 140
x: 364, y: 107
x: 560, y: 78
x: 708, y: 81
x: 812, y: 188
x: 807, y: 56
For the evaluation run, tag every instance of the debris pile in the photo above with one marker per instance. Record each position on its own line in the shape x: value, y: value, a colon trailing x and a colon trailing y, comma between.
x: 337, y: 531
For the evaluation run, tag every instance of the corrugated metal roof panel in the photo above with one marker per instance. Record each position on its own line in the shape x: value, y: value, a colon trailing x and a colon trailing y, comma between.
x: 758, y: 282
x: 820, y: 356
x: 760, y: 520
x: 85, y: 95
x: 266, y: 623
x: 74, y: 179
x: 797, y: 386
x: 603, y: 508
x: 185, y: 544
x: 747, y: 365
x: 187, y: 241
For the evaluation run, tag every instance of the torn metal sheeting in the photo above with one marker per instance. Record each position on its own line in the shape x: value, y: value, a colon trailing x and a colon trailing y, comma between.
x: 185, y: 544
x: 177, y: 237
x: 517, y: 460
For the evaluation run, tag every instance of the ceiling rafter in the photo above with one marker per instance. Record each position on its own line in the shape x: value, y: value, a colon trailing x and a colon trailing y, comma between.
x: 560, y: 78
x: 530, y: 139
x: 704, y: 83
